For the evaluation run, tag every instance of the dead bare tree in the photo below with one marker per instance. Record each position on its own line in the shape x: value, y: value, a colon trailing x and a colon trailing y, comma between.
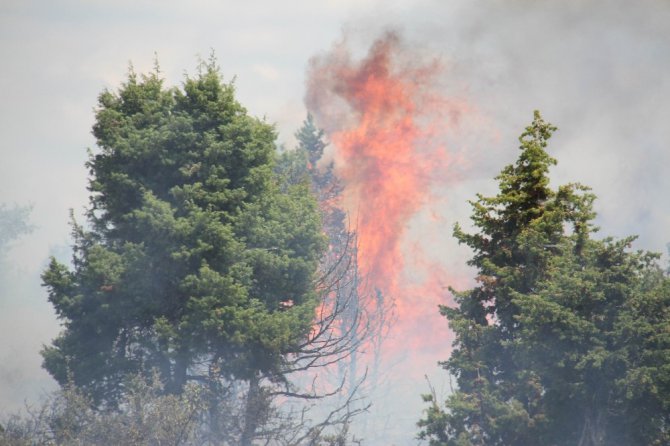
x: 302, y: 405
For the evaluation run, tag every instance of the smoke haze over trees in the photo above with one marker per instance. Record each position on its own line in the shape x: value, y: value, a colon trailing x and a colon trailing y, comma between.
x: 564, y: 340
x: 597, y: 68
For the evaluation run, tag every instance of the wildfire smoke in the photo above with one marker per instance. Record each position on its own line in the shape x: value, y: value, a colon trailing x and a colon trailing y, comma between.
x: 387, y: 122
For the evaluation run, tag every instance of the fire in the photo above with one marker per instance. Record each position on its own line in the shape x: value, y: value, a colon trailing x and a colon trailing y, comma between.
x: 386, y: 120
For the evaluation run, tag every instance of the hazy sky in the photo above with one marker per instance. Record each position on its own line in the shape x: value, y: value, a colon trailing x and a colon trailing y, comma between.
x: 597, y: 69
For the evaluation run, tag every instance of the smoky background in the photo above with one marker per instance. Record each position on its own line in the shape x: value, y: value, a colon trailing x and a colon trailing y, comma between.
x: 597, y: 69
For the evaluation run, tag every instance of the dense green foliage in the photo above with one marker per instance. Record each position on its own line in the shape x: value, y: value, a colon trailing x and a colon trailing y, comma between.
x: 198, y: 260
x: 566, y: 339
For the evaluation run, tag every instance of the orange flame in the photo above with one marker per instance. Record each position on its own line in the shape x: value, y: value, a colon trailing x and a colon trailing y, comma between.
x: 386, y: 120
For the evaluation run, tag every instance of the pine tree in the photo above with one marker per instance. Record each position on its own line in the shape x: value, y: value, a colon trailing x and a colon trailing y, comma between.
x: 595, y: 333
x: 195, y: 261
x: 543, y: 351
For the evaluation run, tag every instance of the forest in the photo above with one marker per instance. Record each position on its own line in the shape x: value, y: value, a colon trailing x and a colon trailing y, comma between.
x: 215, y: 296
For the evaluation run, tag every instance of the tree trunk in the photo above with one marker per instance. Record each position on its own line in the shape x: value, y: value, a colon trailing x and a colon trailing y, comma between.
x: 251, y: 413
x: 179, y: 370
x: 593, y: 431
x: 214, y: 399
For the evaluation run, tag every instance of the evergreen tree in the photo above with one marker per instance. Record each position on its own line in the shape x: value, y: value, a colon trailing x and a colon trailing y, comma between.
x: 595, y: 333
x: 544, y: 353
x: 13, y: 224
x: 195, y: 262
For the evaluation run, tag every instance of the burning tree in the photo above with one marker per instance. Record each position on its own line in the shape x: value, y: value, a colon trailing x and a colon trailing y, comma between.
x: 199, y: 261
x: 389, y: 122
x: 364, y: 316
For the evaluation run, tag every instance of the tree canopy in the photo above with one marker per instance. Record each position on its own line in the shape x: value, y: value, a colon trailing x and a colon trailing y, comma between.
x: 196, y: 260
x: 564, y: 340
